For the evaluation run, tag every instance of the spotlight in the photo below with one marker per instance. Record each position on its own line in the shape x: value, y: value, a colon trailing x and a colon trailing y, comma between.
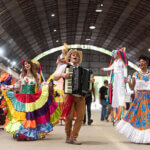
x: 13, y: 63
x: 52, y: 15
x: 1, y: 51
x: 99, y: 9
x: 92, y: 27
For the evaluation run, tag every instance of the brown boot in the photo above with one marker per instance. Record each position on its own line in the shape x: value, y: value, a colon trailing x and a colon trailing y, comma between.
x: 74, y: 141
x: 68, y: 139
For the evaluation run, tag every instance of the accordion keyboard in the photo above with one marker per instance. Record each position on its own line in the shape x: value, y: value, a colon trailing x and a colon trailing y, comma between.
x: 68, y: 82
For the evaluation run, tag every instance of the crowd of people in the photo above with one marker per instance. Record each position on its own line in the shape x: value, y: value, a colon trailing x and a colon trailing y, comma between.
x: 33, y: 111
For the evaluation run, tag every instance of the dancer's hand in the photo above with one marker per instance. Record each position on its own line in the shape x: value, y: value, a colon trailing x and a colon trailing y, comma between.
x: 65, y: 75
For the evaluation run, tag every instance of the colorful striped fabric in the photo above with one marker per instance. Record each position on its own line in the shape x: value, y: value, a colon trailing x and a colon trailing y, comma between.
x: 31, y: 116
x: 5, y: 79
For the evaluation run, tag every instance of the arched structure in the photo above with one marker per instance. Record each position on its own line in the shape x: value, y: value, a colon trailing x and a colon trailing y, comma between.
x: 78, y: 46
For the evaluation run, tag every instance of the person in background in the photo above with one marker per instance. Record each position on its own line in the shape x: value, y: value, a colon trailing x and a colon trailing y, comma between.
x: 136, y: 124
x: 102, y: 99
x: 88, y: 101
x: 108, y: 112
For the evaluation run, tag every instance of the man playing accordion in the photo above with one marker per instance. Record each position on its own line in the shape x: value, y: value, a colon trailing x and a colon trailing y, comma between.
x: 73, y: 101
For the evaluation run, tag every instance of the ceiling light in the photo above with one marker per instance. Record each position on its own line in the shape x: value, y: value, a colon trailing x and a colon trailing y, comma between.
x: 149, y: 49
x: 87, y: 39
x: 52, y: 15
x: 13, y: 63
x: 102, y: 5
x: 92, y: 27
x: 1, y: 51
x: 54, y: 30
x: 57, y: 41
x: 98, y: 8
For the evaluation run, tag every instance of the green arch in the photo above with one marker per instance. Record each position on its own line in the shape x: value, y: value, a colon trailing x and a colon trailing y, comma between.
x: 78, y: 46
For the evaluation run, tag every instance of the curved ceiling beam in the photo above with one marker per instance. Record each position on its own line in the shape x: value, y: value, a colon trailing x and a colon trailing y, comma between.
x: 78, y: 46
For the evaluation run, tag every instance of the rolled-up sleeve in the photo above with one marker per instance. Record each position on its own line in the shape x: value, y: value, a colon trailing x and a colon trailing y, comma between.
x: 60, y: 70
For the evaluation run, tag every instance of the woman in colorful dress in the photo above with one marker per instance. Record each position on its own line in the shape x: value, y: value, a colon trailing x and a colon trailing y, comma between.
x: 118, y: 68
x: 31, y: 115
x: 136, y: 124
x: 5, y: 79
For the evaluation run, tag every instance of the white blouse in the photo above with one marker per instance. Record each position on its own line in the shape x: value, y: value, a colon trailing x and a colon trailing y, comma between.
x: 142, y: 81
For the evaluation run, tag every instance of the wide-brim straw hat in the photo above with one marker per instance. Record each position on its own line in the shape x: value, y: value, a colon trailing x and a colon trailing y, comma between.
x: 37, y: 63
x: 74, y: 51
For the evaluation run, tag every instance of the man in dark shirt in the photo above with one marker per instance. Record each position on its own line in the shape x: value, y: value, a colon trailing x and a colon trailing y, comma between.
x: 102, y: 99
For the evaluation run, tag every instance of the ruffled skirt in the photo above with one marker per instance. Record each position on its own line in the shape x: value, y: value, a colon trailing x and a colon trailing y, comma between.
x: 31, y: 116
x: 136, y: 123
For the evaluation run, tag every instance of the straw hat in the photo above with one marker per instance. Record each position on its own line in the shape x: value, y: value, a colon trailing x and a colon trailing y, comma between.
x: 37, y: 63
x: 74, y: 51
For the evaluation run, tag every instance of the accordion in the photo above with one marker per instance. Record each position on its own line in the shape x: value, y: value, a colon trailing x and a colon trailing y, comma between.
x: 79, y: 81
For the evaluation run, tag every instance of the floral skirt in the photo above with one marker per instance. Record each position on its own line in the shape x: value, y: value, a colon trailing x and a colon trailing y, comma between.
x: 31, y: 116
x: 136, y: 123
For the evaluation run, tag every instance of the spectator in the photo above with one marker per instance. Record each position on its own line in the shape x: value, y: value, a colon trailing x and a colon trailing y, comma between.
x: 102, y: 99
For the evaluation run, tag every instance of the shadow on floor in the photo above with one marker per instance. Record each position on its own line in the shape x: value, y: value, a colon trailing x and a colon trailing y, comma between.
x: 93, y: 143
x: 131, y: 143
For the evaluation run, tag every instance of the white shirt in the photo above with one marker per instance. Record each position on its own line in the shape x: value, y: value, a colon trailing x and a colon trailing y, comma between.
x: 61, y: 69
